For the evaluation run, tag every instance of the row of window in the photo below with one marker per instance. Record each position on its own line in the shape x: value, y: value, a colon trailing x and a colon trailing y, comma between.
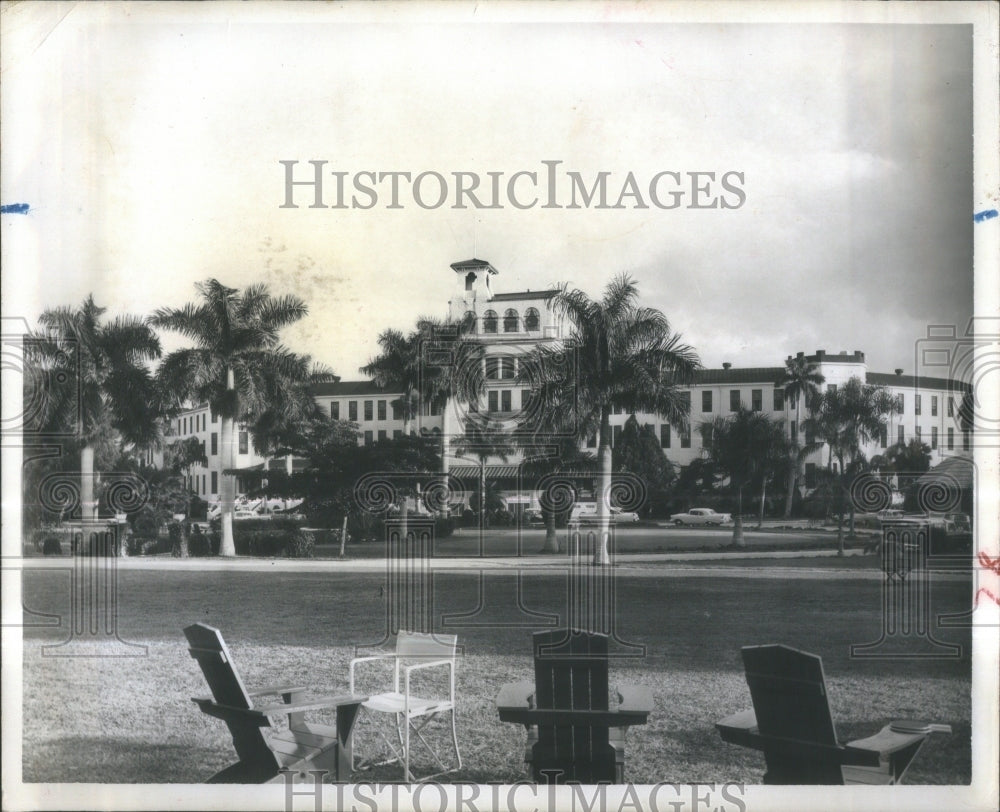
x: 949, y: 437
x: 369, y: 436
x: 193, y: 423
x: 371, y: 407
x: 735, y: 400
x: 665, y: 436
x: 199, y: 486
x: 511, y: 321
x: 242, y: 438
x: 504, y: 368
x: 685, y: 437
x: 918, y: 405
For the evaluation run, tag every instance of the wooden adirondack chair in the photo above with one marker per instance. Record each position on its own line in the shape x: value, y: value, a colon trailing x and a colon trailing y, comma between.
x: 791, y: 723
x: 302, y: 746
x: 574, y: 735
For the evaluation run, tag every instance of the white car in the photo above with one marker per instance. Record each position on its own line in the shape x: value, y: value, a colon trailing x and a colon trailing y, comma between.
x: 701, y: 516
x: 587, y: 512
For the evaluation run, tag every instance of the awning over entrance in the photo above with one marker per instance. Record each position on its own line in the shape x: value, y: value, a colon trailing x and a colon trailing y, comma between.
x: 952, y: 472
x: 277, y: 464
x: 492, y: 471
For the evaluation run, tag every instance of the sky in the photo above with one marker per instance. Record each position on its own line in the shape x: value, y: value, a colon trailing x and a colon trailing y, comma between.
x: 147, y: 143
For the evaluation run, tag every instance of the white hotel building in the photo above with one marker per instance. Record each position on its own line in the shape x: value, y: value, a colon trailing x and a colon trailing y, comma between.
x: 511, y: 324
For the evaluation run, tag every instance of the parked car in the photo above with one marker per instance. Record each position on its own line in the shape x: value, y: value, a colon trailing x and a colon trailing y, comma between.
x: 532, y: 516
x: 955, y: 523
x: 701, y: 516
x: 587, y: 512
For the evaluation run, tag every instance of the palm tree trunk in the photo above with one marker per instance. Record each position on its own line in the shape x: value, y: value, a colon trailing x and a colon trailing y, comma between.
x: 604, y: 491
x: 763, y: 494
x: 445, y: 440
x: 793, y: 469
x: 88, y: 502
x: 738, y: 539
x: 404, y: 507
x: 227, y: 487
x: 840, y: 510
x: 482, y: 494
x: 551, y: 537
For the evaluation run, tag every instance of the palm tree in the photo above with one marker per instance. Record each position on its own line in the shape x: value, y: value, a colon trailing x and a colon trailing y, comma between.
x: 450, y: 369
x: 626, y: 357
x: 743, y: 447
x: 108, y: 391
x: 569, y: 460
x: 237, y: 366
x: 847, y: 419
x: 484, y: 438
x: 398, y: 367
x: 907, y: 461
x: 800, y: 381
x: 430, y: 365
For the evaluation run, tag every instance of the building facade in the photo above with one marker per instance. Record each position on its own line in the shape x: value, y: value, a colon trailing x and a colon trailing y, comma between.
x: 511, y: 324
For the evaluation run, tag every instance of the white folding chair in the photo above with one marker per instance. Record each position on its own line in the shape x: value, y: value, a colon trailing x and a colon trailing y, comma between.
x: 414, y: 652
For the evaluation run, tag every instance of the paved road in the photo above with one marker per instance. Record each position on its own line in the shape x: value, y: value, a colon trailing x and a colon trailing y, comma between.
x: 529, y: 541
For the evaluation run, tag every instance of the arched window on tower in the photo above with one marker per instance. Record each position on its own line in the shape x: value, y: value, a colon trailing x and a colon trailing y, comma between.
x: 510, y: 321
x: 490, y: 321
x: 531, y: 320
x: 470, y: 280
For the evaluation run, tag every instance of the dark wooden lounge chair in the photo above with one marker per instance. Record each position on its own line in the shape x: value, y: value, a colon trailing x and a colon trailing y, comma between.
x: 574, y: 733
x: 302, y: 746
x: 792, y: 725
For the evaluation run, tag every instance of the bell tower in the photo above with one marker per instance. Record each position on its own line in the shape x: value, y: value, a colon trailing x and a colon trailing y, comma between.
x: 474, y: 287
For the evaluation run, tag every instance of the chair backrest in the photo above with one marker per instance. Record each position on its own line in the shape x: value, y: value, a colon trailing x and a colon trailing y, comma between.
x: 420, y: 646
x: 571, y: 673
x: 209, y: 649
x: 789, y: 694
x: 571, y: 670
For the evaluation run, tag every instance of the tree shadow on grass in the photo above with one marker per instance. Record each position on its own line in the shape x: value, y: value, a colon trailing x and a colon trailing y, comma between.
x: 82, y: 759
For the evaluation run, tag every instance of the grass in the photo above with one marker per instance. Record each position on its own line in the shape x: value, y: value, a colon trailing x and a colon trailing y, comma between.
x: 131, y: 720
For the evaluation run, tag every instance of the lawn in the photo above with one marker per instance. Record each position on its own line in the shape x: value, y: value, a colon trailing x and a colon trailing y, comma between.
x: 131, y: 721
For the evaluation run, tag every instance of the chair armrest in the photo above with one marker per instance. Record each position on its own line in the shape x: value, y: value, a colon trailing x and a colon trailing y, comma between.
x: 636, y: 698
x: 386, y: 657
x: 571, y: 716
x: 408, y: 669
x: 313, y: 704
x: 741, y: 729
x: 372, y: 657
x: 516, y: 696
x: 736, y: 729
x: 887, y: 741
x: 228, y: 712
x: 277, y: 689
x: 432, y: 664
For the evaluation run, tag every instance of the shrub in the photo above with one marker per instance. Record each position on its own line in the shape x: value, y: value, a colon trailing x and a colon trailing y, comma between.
x: 199, y: 545
x: 175, y: 531
x: 272, y: 538
x: 51, y: 546
x: 815, y: 508
x: 300, y: 544
x: 365, y: 527
x: 444, y: 526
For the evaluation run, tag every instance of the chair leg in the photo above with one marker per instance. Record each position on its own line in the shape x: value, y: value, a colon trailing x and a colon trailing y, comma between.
x: 406, y: 750
x: 417, y: 730
x: 454, y: 740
